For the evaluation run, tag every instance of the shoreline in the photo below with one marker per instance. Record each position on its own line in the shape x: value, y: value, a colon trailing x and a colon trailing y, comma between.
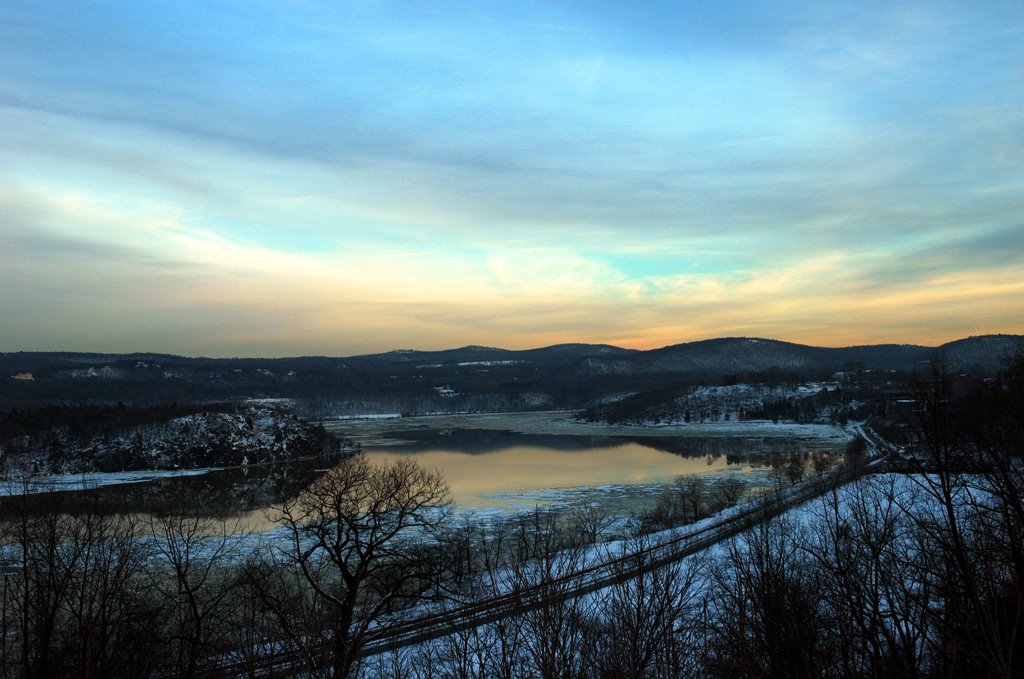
x: 561, y: 422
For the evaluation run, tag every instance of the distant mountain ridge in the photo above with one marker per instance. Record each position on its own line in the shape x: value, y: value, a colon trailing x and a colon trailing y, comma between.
x: 477, y: 353
x: 562, y: 375
x: 744, y: 354
x: 985, y: 353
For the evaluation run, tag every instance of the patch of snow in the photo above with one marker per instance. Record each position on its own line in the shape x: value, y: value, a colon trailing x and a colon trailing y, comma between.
x: 55, y: 483
x: 368, y: 416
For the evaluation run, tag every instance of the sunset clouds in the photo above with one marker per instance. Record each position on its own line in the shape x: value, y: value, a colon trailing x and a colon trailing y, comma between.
x: 280, y: 179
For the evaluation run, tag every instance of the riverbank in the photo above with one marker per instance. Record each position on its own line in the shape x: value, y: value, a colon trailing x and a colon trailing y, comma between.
x: 370, y: 431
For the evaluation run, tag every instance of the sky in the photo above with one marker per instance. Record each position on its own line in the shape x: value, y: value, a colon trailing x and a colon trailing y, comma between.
x: 294, y: 177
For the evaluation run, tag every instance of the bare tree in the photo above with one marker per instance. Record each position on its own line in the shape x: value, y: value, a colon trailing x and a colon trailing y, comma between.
x: 727, y: 491
x: 75, y: 602
x: 493, y: 649
x: 644, y: 626
x: 974, y: 446
x: 354, y: 545
x: 401, y: 663
x: 766, y: 619
x: 258, y: 638
x: 691, y: 492
x: 873, y: 578
x: 546, y: 557
x: 109, y: 613
x: 592, y: 519
x: 196, y: 563
x: 796, y: 468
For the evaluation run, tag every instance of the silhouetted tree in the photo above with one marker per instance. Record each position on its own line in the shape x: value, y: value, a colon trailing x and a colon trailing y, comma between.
x: 354, y: 552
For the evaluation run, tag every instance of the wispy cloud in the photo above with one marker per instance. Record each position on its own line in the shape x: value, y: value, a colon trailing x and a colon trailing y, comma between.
x: 268, y: 178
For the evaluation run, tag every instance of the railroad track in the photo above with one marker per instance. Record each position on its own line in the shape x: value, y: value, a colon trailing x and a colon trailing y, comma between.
x: 433, y: 625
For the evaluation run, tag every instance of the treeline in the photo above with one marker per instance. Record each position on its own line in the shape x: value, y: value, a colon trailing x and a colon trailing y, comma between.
x: 634, y: 407
x: 788, y: 402
x: 84, y: 421
x: 96, y: 595
x: 834, y: 406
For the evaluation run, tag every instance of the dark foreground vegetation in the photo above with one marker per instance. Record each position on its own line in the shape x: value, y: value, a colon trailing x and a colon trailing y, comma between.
x: 917, y: 575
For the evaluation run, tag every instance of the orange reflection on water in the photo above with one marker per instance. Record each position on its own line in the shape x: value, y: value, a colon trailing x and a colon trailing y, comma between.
x: 523, y: 469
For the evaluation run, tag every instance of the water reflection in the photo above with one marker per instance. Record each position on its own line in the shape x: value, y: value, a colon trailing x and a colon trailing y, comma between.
x: 485, y: 468
x: 488, y: 441
x: 477, y: 479
x: 218, y: 493
x: 488, y: 468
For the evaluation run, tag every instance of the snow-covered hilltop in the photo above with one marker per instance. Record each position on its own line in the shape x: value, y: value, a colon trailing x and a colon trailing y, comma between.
x: 253, y: 434
x: 805, y: 402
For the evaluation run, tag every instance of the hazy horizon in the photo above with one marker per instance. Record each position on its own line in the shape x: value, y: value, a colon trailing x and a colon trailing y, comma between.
x: 269, y: 179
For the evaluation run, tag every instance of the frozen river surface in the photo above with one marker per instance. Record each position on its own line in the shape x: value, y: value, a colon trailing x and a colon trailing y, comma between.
x: 497, y: 462
x: 494, y: 463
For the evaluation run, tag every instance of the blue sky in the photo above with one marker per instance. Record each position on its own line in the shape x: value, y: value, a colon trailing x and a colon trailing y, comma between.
x: 281, y: 178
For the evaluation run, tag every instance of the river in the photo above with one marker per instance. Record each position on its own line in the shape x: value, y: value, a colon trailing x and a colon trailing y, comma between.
x: 494, y: 463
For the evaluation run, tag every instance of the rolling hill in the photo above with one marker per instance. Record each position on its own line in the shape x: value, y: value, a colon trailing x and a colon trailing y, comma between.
x: 470, y: 377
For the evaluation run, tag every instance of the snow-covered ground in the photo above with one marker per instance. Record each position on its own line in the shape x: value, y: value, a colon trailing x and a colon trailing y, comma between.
x: 54, y: 483
x: 881, y: 491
